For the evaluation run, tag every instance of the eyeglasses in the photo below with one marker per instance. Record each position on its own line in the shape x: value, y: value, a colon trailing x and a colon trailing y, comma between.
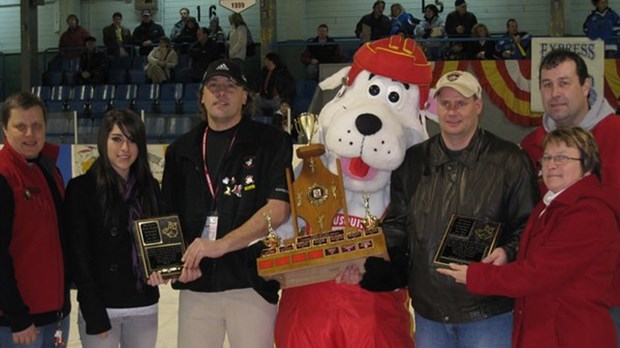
x: 559, y: 160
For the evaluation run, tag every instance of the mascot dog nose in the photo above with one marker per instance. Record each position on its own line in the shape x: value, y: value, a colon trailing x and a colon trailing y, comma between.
x: 368, y: 124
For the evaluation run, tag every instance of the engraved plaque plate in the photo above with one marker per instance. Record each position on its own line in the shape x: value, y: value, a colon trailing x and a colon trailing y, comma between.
x: 467, y: 240
x: 160, y: 245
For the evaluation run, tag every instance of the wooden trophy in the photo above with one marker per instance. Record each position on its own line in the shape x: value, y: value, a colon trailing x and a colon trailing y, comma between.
x: 317, y: 253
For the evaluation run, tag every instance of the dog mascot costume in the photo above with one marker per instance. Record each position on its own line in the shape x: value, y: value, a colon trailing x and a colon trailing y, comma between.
x: 368, y: 126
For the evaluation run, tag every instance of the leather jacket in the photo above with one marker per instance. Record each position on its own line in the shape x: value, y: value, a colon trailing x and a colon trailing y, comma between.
x: 492, y: 179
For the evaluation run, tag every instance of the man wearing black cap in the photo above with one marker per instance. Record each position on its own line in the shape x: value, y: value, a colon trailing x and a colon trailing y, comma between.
x: 225, y: 178
x: 459, y: 24
x: 147, y: 34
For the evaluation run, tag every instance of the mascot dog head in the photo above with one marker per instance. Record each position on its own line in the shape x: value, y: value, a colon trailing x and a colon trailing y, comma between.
x: 376, y: 115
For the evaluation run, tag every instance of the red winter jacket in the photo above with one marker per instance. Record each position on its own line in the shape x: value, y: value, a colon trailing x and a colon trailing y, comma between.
x: 31, y: 267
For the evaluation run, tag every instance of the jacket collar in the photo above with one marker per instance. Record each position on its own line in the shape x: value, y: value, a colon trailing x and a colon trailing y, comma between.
x: 49, y: 153
x: 469, y: 155
x: 192, y: 148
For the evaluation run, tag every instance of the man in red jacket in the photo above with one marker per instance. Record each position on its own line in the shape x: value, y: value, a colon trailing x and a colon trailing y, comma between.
x: 34, y: 296
x: 569, y: 101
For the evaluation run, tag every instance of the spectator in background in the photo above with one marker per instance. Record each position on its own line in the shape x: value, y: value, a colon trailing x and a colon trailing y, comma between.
x: 202, y: 53
x: 147, y: 34
x: 603, y: 23
x: 484, y: 47
x: 161, y: 61
x: 322, y: 49
x: 115, y: 36
x: 34, y: 282
x: 459, y: 23
x: 374, y: 25
x: 215, y: 31
x: 431, y: 27
x: 276, y: 86
x: 187, y: 36
x: 402, y: 22
x: 515, y: 44
x: 93, y: 63
x: 237, y: 37
x: 178, y: 26
x: 72, y: 40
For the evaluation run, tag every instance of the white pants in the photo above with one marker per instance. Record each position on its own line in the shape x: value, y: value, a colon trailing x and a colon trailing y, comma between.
x: 204, y: 319
x: 138, y: 331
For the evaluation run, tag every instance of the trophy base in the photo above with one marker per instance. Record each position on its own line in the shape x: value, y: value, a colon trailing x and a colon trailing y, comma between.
x: 318, y: 258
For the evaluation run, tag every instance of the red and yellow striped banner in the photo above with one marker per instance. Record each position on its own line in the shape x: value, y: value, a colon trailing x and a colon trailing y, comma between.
x: 507, y: 83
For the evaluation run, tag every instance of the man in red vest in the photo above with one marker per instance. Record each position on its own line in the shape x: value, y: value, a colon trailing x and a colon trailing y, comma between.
x: 34, y: 292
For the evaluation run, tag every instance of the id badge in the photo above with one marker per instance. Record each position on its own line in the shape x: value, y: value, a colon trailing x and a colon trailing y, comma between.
x: 210, y: 230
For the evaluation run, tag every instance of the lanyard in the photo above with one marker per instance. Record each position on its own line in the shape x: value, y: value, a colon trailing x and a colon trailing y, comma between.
x: 212, y: 189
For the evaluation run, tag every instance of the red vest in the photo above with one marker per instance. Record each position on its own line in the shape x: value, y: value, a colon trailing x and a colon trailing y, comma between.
x: 35, y: 241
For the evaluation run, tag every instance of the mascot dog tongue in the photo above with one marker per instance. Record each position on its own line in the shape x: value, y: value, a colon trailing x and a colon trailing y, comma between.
x: 369, y: 125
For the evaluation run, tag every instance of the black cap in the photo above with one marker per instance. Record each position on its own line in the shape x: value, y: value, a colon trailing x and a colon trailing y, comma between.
x: 226, y: 67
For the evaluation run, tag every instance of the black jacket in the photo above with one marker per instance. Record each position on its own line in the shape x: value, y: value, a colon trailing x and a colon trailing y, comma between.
x: 492, y: 179
x: 281, y: 82
x: 102, y: 264
x: 253, y: 170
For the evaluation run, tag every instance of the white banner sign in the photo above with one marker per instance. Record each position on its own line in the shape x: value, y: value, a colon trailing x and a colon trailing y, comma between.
x: 593, y: 52
x: 237, y: 5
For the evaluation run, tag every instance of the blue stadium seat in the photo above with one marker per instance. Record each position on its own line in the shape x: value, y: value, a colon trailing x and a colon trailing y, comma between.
x: 143, y: 105
x: 138, y: 62
x: 43, y: 92
x: 60, y: 93
x: 170, y: 91
x: 148, y: 91
x: 98, y: 108
x: 120, y: 63
x: 82, y: 92
x: 155, y: 128
x: 103, y: 92
x: 117, y: 76
x: 124, y: 96
x: 177, y: 126
x: 137, y: 76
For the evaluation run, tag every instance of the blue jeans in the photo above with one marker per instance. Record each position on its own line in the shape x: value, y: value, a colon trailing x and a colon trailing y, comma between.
x: 615, y: 316
x: 45, y: 338
x: 493, y: 332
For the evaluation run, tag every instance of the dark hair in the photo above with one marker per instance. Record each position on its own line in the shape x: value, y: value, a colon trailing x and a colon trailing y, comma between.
x: 322, y: 26
x: 582, y: 140
x: 560, y: 55
x: 274, y: 58
x: 165, y: 40
x: 77, y: 21
x: 117, y: 14
x: 236, y: 19
x: 377, y: 3
x: 509, y: 21
x: 90, y: 38
x: 205, y: 30
x: 21, y: 100
x: 192, y: 19
x: 184, y: 8
x: 433, y: 8
x: 108, y: 181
